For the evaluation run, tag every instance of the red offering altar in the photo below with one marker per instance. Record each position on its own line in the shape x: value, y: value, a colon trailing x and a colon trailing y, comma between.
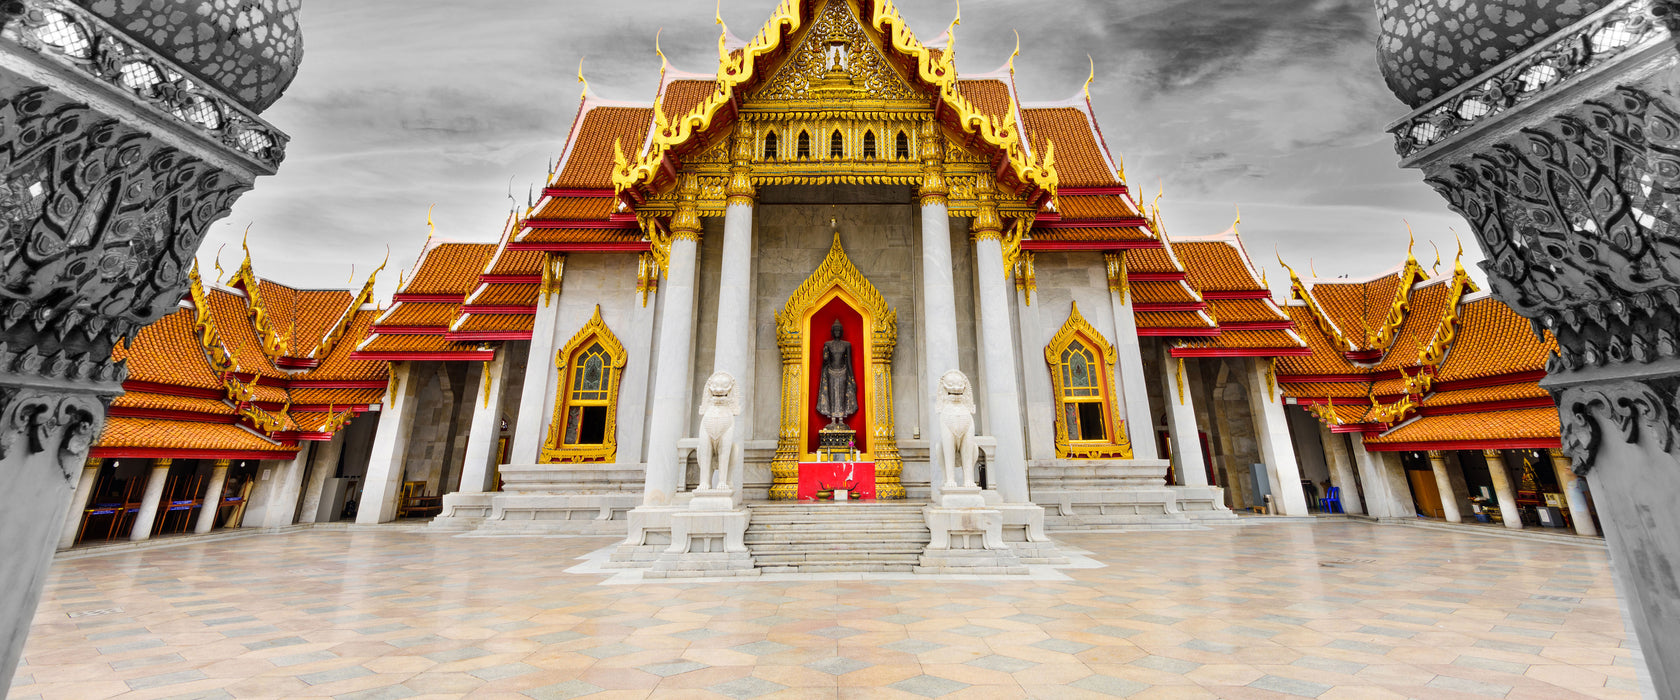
x: 856, y: 477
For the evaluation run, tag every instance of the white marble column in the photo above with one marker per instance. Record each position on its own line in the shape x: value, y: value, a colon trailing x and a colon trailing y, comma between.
x: 1003, y: 398
x: 212, y: 497
x: 1271, y: 428
x: 1443, y: 482
x: 1387, y: 493
x: 378, y: 502
x: 151, y: 500
x: 485, y: 431
x: 668, y: 414
x: 323, y: 466
x: 733, y: 350
x: 1579, y: 512
x: 78, y: 502
x: 530, y: 429
x: 1134, y: 391
x: 1185, y: 438
x: 288, y: 487
x: 939, y: 301
x: 1508, y: 510
x: 1341, y: 469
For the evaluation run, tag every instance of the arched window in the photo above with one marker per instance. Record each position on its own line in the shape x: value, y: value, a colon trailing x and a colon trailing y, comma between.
x: 1081, y: 370
x: 902, y: 151
x: 836, y: 145
x: 586, y: 409
x: 770, y: 146
x: 869, y: 145
x: 804, y: 145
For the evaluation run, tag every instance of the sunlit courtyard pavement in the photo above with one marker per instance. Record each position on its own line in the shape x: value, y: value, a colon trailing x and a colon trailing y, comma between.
x: 1334, y: 609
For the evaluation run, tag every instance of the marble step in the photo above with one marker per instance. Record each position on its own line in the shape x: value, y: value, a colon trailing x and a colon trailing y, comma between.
x: 835, y: 559
x: 838, y: 536
x: 860, y: 548
x: 839, y: 568
x: 786, y: 521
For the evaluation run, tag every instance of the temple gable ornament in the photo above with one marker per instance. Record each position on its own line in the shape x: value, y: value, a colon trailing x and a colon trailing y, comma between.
x: 836, y: 59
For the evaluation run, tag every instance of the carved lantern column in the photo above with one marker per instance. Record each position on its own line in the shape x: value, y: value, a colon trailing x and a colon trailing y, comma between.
x: 1565, y: 158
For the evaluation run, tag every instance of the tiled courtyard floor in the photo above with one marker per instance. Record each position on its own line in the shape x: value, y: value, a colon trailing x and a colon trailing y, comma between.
x: 1331, y: 610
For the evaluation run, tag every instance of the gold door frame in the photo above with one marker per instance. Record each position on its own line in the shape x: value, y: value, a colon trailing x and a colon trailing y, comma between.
x: 836, y: 271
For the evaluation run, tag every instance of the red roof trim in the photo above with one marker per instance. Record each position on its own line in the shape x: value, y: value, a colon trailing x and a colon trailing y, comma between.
x: 1239, y: 294
x: 570, y: 192
x: 1090, y: 191
x: 1240, y: 352
x: 1496, y: 380
x: 550, y: 224
x: 355, y: 408
x: 297, y: 363
x: 340, y: 384
x: 1324, y: 378
x: 1178, y: 332
x: 625, y: 247
x: 1171, y: 306
x: 1368, y: 428
x: 1157, y: 276
x: 429, y: 298
x: 1109, y: 222
x: 168, y: 453
x: 510, y: 279
x: 472, y: 336
x: 409, y: 330
x: 500, y: 310
x: 170, y: 414
x: 1363, y: 355
x: 1035, y: 245
x: 467, y: 356
x: 1261, y: 326
x: 1528, y: 444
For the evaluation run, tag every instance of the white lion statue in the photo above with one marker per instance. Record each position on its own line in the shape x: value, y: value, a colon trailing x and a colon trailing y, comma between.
x: 956, y: 421
x: 717, y: 430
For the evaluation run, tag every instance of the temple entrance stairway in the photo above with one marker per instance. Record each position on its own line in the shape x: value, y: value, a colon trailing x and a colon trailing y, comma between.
x: 837, y: 537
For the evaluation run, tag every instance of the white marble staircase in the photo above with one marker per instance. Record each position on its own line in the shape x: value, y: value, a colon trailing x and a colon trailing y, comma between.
x: 837, y: 537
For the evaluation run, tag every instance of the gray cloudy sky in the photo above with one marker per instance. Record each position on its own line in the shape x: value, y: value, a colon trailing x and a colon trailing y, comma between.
x: 1275, y: 106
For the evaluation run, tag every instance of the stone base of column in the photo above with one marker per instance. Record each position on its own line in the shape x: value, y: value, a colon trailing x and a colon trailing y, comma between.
x: 1202, y: 502
x: 967, y: 541
x: 708, y: 539
x: 650, y: 536
x: 1023, y: 530
x: 463, y: 512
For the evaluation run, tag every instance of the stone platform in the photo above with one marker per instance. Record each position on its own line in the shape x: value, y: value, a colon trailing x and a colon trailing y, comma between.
x: 1105, y: 494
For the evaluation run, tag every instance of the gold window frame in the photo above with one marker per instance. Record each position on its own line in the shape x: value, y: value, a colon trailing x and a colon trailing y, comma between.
x: 555, y: 451
x: 1118, y: 445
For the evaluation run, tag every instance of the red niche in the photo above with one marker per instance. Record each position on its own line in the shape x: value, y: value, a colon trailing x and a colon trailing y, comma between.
x: 816, y: 335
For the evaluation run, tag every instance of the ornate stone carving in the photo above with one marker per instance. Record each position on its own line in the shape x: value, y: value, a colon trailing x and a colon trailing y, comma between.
x: 958, y: 450
x: 836, y: 37
x: 1628, y: 411
x: 718, y: 410
x: 101, y: 222
x: 33, y: 421
x: 1429, y: 46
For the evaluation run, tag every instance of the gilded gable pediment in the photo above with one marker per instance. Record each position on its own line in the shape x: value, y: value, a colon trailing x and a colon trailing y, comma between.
x: 837, y: 59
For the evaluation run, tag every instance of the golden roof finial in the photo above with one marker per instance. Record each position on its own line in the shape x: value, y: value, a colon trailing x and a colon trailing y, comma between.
x: 1091, y: 78
x: 1312, y: 267
x: 581, y: 79
x: 723, y: 35
x: 1411, y: 238
x: 1437, y: 268
x: 1460, y: 242
x: 431, y: 227
x: 1238, y: 222
x: 1292, y: 276
x: 352, y: 279
x: 1263, y: 281
x: 1120, y: 171
x: 1017, y: 52
x: 664, y: 63
x: 951, y: 36
x: 219, y: 263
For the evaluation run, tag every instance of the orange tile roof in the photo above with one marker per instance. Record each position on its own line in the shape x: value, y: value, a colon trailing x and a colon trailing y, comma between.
x: 1216, y: 266
x: 1357, y: 308
x: 576, y: 208
x: 1494, y: 340
x: 1327, y: 357
x: 317, y: 311
x: 1079, y: 158
x: 1246, y: 310
x: 580, y: 235
x: 1171, y: 319
x: 507, y: 295
x: 1429, y: 307
x: 1102, y: 206
x: 233, y: 325
x: 1522, y: 424
x: 1093, y: 234
x: 450, y: 268
x: 496, y: 322
x: 140, y: 399
x: 337, y: 397
x: 415, y: 343
x: 1487, y: 394
x: 1350, y: 414
x: 185, y: 435
x: 1161, y: 293
x: 412, y: 313
x: 168, y: 352
x: 1320, y: 390
x: 517, y: 262
x: 990, y: 96
x: 1156, y: 260
x: 1248, y: 340
x: 590, y: 163
x: 280, y: 305
x: 682, y: 96
x: 339, y: 366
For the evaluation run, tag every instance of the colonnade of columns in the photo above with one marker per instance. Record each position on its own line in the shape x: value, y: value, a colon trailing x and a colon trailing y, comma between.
x: 152, y: 505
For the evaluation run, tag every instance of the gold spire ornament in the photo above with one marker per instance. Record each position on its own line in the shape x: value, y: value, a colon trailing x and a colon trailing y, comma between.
x: 581, y: 79
x: 1088, y: 80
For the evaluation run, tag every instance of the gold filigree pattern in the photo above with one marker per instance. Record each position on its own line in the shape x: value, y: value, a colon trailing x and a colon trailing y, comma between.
x: 835, y: 48
x: 1118, y: 445
x: 837, y: 271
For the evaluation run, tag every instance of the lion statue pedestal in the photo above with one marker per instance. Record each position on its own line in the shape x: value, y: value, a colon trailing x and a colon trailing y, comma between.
x: 967, y: 534
x: 708, y: 537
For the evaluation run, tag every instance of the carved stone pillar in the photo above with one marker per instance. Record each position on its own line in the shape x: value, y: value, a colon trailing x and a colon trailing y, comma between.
x: 78, y: 503
x: 1564, y: 156
x: 1443, y: 482
x: 939, y: 305
x: 212, y: 496
x: 1502, y: 491
x: 110, y: 175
